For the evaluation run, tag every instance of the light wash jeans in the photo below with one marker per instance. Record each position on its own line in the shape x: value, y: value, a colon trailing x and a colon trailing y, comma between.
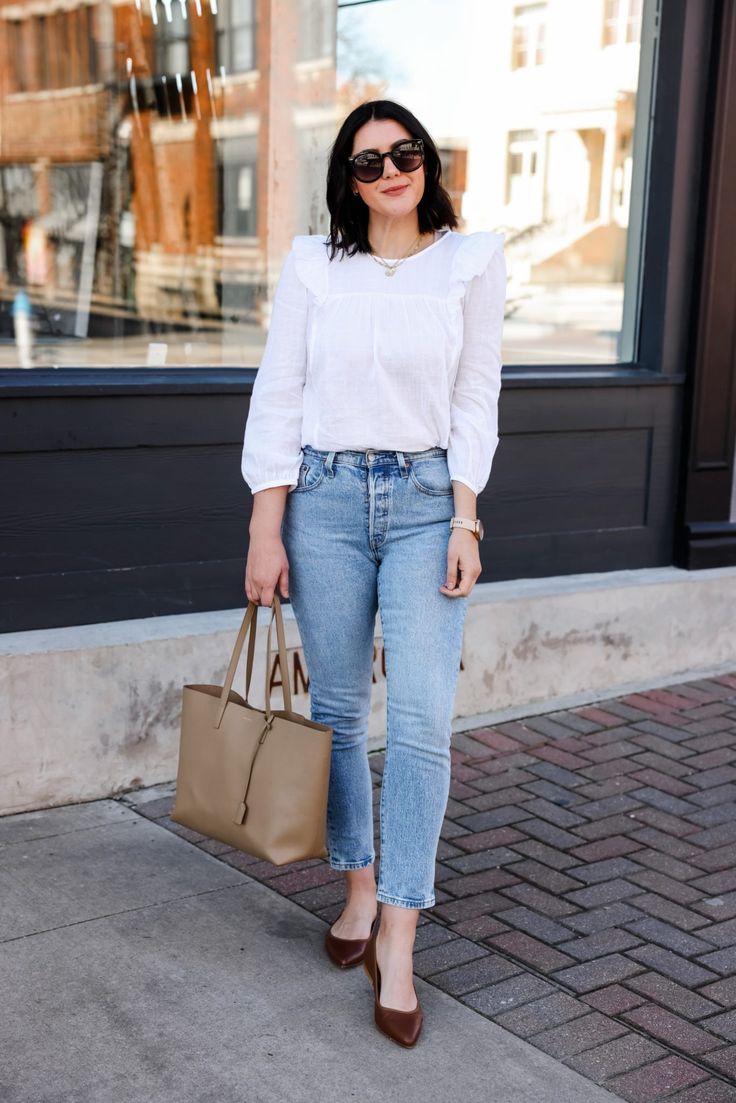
x: 368, y: 530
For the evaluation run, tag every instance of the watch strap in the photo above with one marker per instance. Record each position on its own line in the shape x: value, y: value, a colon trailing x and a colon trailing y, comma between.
x: 466, y: 523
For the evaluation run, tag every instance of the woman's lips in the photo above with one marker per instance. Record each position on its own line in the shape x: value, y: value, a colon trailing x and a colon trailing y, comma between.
x: 395, y: 191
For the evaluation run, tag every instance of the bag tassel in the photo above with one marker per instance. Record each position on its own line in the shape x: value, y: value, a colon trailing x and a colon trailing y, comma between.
x: 243, y: 806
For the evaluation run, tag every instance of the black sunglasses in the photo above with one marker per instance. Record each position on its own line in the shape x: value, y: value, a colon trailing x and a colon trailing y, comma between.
x: 407, y: 156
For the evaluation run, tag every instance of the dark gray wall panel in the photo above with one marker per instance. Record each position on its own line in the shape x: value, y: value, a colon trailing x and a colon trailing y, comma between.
x: 136, y: 507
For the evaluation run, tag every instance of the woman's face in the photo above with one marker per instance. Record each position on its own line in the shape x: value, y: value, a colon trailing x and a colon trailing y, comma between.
x: 381, y: 134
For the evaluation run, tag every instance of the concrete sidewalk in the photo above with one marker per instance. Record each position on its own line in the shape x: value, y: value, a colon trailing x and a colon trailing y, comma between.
x: 135, y: 966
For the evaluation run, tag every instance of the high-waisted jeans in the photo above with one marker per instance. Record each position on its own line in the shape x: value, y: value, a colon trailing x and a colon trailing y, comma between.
x: 366, y: 531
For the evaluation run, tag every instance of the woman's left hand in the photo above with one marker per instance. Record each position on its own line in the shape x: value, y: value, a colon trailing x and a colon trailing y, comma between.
x: 463, y: 563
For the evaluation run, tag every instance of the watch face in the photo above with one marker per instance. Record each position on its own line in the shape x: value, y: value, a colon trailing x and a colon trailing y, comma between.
x: 480, y: 529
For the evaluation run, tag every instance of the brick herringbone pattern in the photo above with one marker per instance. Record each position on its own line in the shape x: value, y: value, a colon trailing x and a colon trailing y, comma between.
x: 586, y: 887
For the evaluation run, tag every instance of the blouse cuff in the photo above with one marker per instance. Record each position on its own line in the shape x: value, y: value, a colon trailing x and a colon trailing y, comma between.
x: 266, y: 486
x: 466, y: 481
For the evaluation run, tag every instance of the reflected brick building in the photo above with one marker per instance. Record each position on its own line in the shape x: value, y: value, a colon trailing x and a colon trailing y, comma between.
x: 152, y: 131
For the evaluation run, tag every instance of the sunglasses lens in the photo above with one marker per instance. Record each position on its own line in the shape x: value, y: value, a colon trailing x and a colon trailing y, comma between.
x: 408, y: 158
x: 367, y: 167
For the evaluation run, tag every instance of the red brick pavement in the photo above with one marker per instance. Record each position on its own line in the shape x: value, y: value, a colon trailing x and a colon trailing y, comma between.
x: 586, y: 887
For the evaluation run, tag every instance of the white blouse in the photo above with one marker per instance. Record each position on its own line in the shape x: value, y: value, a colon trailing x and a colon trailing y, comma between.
x: 357, y: 360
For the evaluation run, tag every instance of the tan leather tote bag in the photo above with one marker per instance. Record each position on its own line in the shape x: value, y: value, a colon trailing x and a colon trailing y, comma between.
x: 254, y: 778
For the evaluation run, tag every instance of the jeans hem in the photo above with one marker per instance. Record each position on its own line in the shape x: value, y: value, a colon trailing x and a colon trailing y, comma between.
x: 351, y: 865
x: 401, y: 902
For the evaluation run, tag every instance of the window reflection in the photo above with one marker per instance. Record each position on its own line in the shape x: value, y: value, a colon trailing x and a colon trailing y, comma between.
x: 621, y: 22
x: 235, y: 36
x: 171, y: 37
x: 159, y: 155
x: 528, y: 35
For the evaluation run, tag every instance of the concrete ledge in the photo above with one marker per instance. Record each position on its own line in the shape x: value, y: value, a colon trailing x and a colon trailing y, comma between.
x: 94, y: 710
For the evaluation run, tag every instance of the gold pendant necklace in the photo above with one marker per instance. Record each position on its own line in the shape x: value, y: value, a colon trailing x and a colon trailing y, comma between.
x: 390, y: 269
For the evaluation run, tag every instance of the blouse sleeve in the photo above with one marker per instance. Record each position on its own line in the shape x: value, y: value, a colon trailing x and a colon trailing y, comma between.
x: 479, y: 279
x: 272, y: 442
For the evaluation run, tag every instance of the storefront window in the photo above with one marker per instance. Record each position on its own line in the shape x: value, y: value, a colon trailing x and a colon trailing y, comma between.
x: 159, y: 155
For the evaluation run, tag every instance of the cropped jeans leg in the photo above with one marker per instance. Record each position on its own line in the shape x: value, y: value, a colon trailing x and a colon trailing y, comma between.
x: 333, y: 593
x: 423, y: 635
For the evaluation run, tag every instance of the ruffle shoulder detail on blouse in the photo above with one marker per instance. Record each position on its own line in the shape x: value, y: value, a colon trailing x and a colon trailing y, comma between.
x: 471, y: 259
x: 310, y: 261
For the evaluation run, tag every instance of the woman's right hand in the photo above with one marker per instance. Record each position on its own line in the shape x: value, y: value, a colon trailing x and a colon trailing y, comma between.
x: 267, y: 566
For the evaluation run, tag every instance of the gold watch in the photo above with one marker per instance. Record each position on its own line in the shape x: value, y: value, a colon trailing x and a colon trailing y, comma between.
x: 475, y: 526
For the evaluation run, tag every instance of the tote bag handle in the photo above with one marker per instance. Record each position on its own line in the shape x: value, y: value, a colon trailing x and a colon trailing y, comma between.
x: 250, y: 622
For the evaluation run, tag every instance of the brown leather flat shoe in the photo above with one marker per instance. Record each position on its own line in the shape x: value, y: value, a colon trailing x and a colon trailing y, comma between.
x: 346, y: 952
x: 400, y: 1026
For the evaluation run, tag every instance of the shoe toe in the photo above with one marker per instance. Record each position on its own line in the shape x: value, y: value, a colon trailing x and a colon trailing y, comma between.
x: 345, y: 952
x: 403, y: 1027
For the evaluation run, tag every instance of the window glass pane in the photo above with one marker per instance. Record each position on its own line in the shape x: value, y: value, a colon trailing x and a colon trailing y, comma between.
x: 172, y: 38
x: 242, y: 49
x: 529, y: 26
x: 15, y: 32
x: 148, y: 199
x: 235, y: 27
x: 41, y: 52
x: 242, y: 12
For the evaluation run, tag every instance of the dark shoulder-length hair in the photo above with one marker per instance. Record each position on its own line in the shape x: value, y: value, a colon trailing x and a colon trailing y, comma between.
x: 348, y: 212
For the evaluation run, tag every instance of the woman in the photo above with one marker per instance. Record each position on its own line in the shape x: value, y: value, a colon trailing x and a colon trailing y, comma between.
x: 371, y: 431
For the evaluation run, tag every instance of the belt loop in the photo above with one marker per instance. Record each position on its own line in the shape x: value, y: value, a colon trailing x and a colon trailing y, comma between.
x: 328, y: 462
x: 402, y: 464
